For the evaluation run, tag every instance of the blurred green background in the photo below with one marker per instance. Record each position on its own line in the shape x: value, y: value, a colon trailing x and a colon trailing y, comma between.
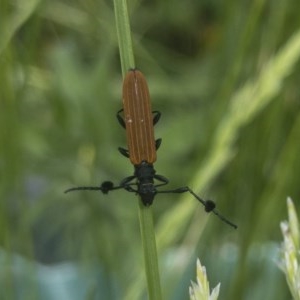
x: 230, y: 125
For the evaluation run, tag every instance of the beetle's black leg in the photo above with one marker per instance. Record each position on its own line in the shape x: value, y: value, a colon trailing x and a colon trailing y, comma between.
x: 124, y: 152
x: 120, y: 119
x: 127, y: 184
x: 156, y: 116
x: 157, y: 143
x: 162, y: 179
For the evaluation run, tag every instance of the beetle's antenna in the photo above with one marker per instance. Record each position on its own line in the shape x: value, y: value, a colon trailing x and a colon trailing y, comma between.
x: 210, y: 206
x: 105, y: 187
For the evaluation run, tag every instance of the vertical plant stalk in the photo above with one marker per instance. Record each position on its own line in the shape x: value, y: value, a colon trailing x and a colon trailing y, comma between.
x: 124, y: 35
x: 150, y: 252
x: 145, y: 212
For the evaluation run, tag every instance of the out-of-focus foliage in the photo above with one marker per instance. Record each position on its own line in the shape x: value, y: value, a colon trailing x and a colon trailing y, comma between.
x: 60, y: 88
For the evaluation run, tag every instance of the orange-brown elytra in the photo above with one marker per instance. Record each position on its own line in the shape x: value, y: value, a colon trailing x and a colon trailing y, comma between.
x: 139, y: 120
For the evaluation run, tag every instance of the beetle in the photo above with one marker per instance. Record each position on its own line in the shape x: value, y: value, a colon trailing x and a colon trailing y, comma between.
x: 138, y: 120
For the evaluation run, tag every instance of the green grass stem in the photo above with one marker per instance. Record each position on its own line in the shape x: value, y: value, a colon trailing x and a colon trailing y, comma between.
x: 124, y: 35
x: 145, y: 213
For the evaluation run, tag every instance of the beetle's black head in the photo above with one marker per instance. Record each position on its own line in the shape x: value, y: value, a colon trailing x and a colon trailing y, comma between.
x: 147, y: 192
